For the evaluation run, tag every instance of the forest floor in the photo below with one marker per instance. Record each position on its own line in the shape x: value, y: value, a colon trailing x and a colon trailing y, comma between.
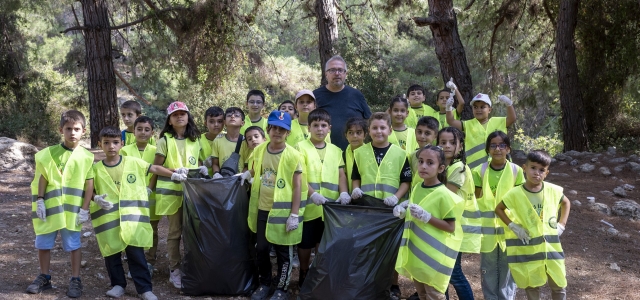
x: 589, y: 249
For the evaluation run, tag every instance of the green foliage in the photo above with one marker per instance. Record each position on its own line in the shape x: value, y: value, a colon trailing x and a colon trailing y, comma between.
x: 551, y: 143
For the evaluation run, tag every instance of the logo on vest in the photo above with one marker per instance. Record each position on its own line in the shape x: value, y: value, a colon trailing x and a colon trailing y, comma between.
x: 131, y: 178
x: 192, y: 160
x: 553, y: 222
x: 280, y: 184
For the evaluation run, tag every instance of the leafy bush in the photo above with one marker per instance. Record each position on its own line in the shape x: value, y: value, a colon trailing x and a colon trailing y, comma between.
x: 552, y: 144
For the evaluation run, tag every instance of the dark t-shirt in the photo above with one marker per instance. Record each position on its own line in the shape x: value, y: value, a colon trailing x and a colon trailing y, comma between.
x: 379, y: 153
x: 345, y: 104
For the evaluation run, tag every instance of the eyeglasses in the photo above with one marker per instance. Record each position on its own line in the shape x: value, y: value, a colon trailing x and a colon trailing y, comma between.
x: 499, y: 146
x: 234, y: 115
x: 337, y: 71
x: 252, y: 102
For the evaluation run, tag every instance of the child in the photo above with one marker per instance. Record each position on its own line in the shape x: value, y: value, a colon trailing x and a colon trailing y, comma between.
x: 255, y: 104
x: 143, y: 131
x: 426, y: 132
x: 493, y: 180
x: 476, y: 130
x: 401, y: 136
x: 305, y: 103
x: 418, y: 108
x: 64, y: 167
x: 274, y: 205
x: 432, y: 234
x: 441, y: 102
x: 178, y: 149
x: 129, y: 111
x: 460, y: 181
x: 214, y: 120
x: 327, y: 180
x: 536, y: 229
x: 224, y: 147
x: 289, y: 107
x: 120, y: 180
x: 355, y: 131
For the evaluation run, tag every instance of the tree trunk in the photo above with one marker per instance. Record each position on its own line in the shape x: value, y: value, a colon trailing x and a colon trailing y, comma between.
x: 101, y: 80
x: 574, y: 126
x: 327, y: 32
x: 449, y: 49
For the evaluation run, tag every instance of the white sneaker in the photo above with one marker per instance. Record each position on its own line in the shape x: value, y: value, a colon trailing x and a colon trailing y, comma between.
x: 176, y: 278
x: 148, y: 296
x: 295, y: 262
x: 115, y: 292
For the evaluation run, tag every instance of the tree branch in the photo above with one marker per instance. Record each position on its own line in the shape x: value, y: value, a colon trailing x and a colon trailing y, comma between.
x: 422, y: 21
x: 493, y: 40
x: 150, y: 16
x: 130, y: 88
x: 469, y: 5
x: 547, y: 10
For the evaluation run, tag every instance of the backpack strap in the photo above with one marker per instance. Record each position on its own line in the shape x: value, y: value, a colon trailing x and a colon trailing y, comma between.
x: 124, y: 135
x: 239, y: 144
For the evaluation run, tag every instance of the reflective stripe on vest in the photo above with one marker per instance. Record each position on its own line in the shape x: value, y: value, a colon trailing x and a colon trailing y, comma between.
x: 283, y: 193
x: 64, y: 193
x: 530, y: 263
x: 169, y: 193
x: 148, y: 155
x: 323, y: 175
x: 382, y: 180
x: 476, y: 138
x: 471, y: 221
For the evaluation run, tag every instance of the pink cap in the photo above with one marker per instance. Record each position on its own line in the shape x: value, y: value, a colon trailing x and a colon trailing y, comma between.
x: 176, y: 106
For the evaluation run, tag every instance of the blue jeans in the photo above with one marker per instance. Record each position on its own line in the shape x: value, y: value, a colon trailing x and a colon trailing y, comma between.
x: 497, y: 282
x: 459, y: 282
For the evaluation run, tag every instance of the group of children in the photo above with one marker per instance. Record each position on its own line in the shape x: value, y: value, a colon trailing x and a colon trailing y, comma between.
x: 451, y: 181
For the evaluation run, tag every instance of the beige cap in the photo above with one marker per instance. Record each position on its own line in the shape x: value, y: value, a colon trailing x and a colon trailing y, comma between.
x: 305, y: 92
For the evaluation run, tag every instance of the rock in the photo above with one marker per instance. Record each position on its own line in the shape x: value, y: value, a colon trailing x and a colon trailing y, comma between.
x: 575, y: 153
x: 632, y: 165
x: 586, y: 168
x: 83, y: 263
x: 633, y: 157
x: 16, y: 156
x: 575, y: 170
x: 619, y: 160
x: 612, y: 231
x: 591, y: 199
x: 572, y: 192
x: 620, y: 192
x: 576, y: 202
x: 560, y: 174
x: 626, y: 208
x: 562, y: 157
x: 99, y: 276
x: 600, y: 207
x: 606, y: 193
x: 614, y: 267
x: 628, y: 187
x: 605, y: 171
x: 618, y: 169
x: 594, y: 159
x: 624, y: 235
x: 562, y: 163
x: 553, y: 160
x: 574, y: 162
x: 611, y: 151
x: 87, y: 234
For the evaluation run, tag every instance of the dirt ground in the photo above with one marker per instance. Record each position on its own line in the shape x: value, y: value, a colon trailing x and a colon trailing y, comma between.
x: 588, y: 248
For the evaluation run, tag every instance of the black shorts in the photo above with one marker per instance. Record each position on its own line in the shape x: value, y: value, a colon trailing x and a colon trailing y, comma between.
x: 311, y: 233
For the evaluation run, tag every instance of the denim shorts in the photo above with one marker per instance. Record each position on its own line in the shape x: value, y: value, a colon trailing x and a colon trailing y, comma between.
x: 70, y: 240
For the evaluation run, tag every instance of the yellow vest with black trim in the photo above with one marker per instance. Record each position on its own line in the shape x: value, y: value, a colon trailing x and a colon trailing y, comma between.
x: 296, y: 135
x: 130, y: 138
x: 276, y: 232
x: 475, y: 140
x: 64, y: 193
x: 348, y: 166
x: 382, y: 180
x: 206, y: 149
x: 148, y: 155
x: 530, y: 264
x: 428, y: 254
x: 471, y: 221
x: 247, y: 123
x: 411, y: 140
x: 493, y: 228
x: 127, y: 223
x: 412, y: 118
x: 322, y: 175
x: 169, y: 193
x: 442, y: 118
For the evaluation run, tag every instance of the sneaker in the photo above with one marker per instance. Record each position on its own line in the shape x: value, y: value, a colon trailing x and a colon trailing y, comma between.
x: 395, y: 292
x: 414, y: 296
x: 301, y: 277
x: 295, y: 262
x: 148, y: 296
x: 261, y: 293
x: 115, y: 292
x: 176, y: 278
x: 280, y: 295
x: 75, y: 288
x: 40, y: 284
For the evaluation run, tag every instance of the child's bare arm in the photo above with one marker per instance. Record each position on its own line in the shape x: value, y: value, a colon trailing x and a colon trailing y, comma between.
x: 448, y: 225
x: 160, y: 170
x: 355, y: 183
x: 295, y: 201
x: 501, y: 214
x: 565, y: 207
x: 342, y: 182
x: 403, y: 189
x: 460, y: 106
x: 452, y: 187
x: 452, y: 121
x: 478, y: 193
x: 42, y: 186
x: 511, y: 115
x: 88, y: 193
x: 215, y: 165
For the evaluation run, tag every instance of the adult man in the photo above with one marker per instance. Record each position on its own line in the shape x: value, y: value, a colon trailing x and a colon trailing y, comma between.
x: 339, y: 100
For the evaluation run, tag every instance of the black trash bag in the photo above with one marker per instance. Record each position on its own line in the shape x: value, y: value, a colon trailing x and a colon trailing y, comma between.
x: 357, y: 255
x: 219, y: 255
x: 370, y: 201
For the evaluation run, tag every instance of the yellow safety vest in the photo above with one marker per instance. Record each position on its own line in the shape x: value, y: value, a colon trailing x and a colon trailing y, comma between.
x: 322, y: 176
x: 276, y: 232
x: 247, y: 123
x: 412, y: 118
x: 471, y: 221
x: 411, y: 140
x: 168, y: 192
x: 64, y: 193
x: 530, y: 264
x: 415, y: 177
x: 382, y: 180
x: 206, y: 149
x: 148, y: 155
x: 442, y: 118
x: 129, y: 138
x: 127, y: 223
x: 493, y: 228
x: 348, y: 166
x: 428, y: 254
x: 476, y: 138
x: 296, y: 135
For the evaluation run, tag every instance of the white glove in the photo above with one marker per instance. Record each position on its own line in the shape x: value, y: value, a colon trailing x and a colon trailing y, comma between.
x: 217, y: 175
x: 41, y: 210
x: 83, y: 216
x: 178, y: 176
x: 244, y: 176
x: 391, y: 200
x: 203, y: 170
x: 419, y: 213
x: 560, y: 229
x: 504, y: 99
x: 317, y: 198
x: 357, y: 193
x: 184, y: 171
x: 208, y: 162
x: 520, y: 232
x: 251, y: 180
x: 149, y: 191
x: 399, y: 211
x: 292, y: 222
x: 344, y: 198
x: 104, y: 204
x: 449, y: 104
x: 452, y: 85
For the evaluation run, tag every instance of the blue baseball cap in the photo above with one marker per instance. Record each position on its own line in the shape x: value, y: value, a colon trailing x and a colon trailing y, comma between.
x: 280, y: 119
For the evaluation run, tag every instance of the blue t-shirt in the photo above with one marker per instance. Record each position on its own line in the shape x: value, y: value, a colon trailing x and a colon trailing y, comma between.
x: 345, y: 104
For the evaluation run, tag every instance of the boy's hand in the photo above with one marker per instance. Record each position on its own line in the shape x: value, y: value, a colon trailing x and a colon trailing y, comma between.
x: 560, y: 229
x: 419, y: 213
x: 449, y: 104
x: 208, y: 162
x: 217, y: 175
x: 104, y: 204
x: 244, y: 176
x: 178, y: 176
x: 83, y: 216
x: 504, y: 99
x: 292, y: 222
x: 520, y: 232
x: 357, y: 193
x: 41, y: 210
x: 399, y: 211
x: 451, y: 85
x: 183, y: 171
x: 318, y: 199
x: 345, y: 198
x: 203, y: 170
x: 391, y: 200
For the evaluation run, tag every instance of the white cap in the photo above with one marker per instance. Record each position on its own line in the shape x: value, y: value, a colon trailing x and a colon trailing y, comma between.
x: 481, y: 97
